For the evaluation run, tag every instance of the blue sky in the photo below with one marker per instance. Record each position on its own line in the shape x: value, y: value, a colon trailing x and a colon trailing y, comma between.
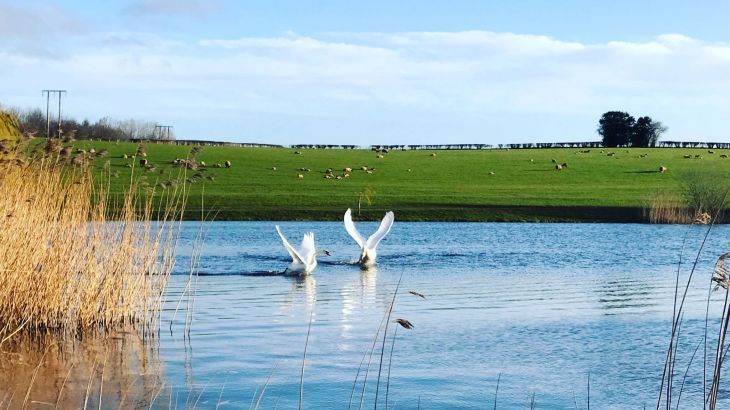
x: 374, y: 72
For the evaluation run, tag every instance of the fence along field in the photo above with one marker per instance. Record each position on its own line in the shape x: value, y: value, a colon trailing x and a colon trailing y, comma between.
x: 593, y: 184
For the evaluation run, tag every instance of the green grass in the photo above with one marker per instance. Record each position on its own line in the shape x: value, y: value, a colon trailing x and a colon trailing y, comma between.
x: 453, y: 185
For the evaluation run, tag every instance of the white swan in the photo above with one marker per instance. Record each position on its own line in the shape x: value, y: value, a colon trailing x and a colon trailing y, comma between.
x: 304, y: 260
x: 368, y: 247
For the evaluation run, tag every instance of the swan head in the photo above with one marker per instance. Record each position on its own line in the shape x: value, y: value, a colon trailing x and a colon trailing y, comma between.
x: 324, y: 252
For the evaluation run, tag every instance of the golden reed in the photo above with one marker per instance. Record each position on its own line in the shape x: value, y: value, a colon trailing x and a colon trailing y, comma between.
x: 75, y: 258
x: 665, y: 208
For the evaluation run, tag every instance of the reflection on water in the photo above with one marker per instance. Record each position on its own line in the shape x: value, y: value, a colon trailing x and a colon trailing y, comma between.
x: 120, y: 369
x: 303, y: 292
x: 537, y: 306
x: 541, y: 304
x: 355, y: 295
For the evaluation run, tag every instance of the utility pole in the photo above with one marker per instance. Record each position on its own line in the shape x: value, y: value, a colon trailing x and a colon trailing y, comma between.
x: 48, y: 93
x: 59, y: 112
x: 159, y: 131
x: 48, y: 106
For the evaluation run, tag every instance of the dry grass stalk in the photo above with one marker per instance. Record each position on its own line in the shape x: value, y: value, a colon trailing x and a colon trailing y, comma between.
x: 71, y: 260
x: 359, y: 368
x: 404, y: 323
x: 304, y: 361
x: 702, y: 218
x: 665, y: 208
x: 385, y: 336
x: 721, y: 275
x: 419, y: 294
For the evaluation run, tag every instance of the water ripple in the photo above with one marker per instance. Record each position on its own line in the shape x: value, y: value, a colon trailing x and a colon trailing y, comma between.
x: 541, y: 305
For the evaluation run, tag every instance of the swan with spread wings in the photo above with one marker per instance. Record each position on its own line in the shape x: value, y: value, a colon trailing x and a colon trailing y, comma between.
x: 368, y: 246
x: 304, y: 259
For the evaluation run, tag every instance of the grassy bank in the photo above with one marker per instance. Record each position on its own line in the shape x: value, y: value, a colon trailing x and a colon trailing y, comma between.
x: 494, y: 185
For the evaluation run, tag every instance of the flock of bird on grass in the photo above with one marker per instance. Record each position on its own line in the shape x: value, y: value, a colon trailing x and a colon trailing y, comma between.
x: 304, y: 259
x: 330, y: 172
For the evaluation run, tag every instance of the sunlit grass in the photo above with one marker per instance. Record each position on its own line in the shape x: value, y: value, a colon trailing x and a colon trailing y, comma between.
x: 71, y: 258
x: 263, y: 183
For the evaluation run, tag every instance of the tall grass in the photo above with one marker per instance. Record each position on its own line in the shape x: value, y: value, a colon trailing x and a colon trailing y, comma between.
x: 666, y: 208
x: 73, y: 258
x: 701, y: 198
x: 705, y: 192
x: 713, y: 200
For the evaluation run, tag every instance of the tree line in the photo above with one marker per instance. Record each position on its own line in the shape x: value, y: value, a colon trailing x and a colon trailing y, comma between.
x: 620, y: 129
x: 34, y: 121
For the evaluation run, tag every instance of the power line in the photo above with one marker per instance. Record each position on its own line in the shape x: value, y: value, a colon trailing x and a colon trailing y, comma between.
x: 48, y: 93
x: 159, y: 131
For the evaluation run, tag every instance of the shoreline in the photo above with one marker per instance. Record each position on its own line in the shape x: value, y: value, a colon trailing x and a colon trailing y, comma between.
x: 474, y: 213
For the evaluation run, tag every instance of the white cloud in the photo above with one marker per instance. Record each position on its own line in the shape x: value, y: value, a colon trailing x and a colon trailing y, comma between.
x: 136, y: 40
x: 37, y: 22
x: 34, y: 30
x: 398, y: 75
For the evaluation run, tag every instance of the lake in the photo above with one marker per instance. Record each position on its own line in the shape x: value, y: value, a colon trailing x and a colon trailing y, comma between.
x: 538, y: 306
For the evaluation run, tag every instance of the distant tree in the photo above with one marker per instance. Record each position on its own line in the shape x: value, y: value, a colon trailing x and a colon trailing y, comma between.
x: 646, y: 132
x: 137, y: 129
x: 32, y: 120
x: 615, y: 127
x: 84, y: 129
x: 104, y: 129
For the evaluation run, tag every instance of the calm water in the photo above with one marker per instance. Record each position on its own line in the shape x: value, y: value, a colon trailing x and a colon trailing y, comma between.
x: 542, y: 305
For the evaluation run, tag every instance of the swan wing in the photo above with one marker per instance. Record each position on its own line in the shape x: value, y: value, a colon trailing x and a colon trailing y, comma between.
x: 296, y: 257
x: 307, y: 249
x: 383, y: 230
x: 350, y: 228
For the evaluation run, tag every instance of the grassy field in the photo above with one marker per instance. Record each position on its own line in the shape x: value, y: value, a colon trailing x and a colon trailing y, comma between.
x: 496, y: 185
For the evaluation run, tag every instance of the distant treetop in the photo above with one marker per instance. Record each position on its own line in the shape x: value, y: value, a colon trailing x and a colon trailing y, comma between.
x: 620, y: 129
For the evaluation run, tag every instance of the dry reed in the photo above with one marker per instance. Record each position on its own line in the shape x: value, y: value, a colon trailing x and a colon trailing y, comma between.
x: 72, y: 258
x: 701, y: 198
x: 664, y: 208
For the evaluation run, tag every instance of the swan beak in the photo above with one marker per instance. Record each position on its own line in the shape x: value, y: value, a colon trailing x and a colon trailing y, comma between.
x: 327, y: 253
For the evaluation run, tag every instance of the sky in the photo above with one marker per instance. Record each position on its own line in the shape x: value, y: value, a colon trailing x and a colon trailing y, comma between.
x: 375, y: 72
